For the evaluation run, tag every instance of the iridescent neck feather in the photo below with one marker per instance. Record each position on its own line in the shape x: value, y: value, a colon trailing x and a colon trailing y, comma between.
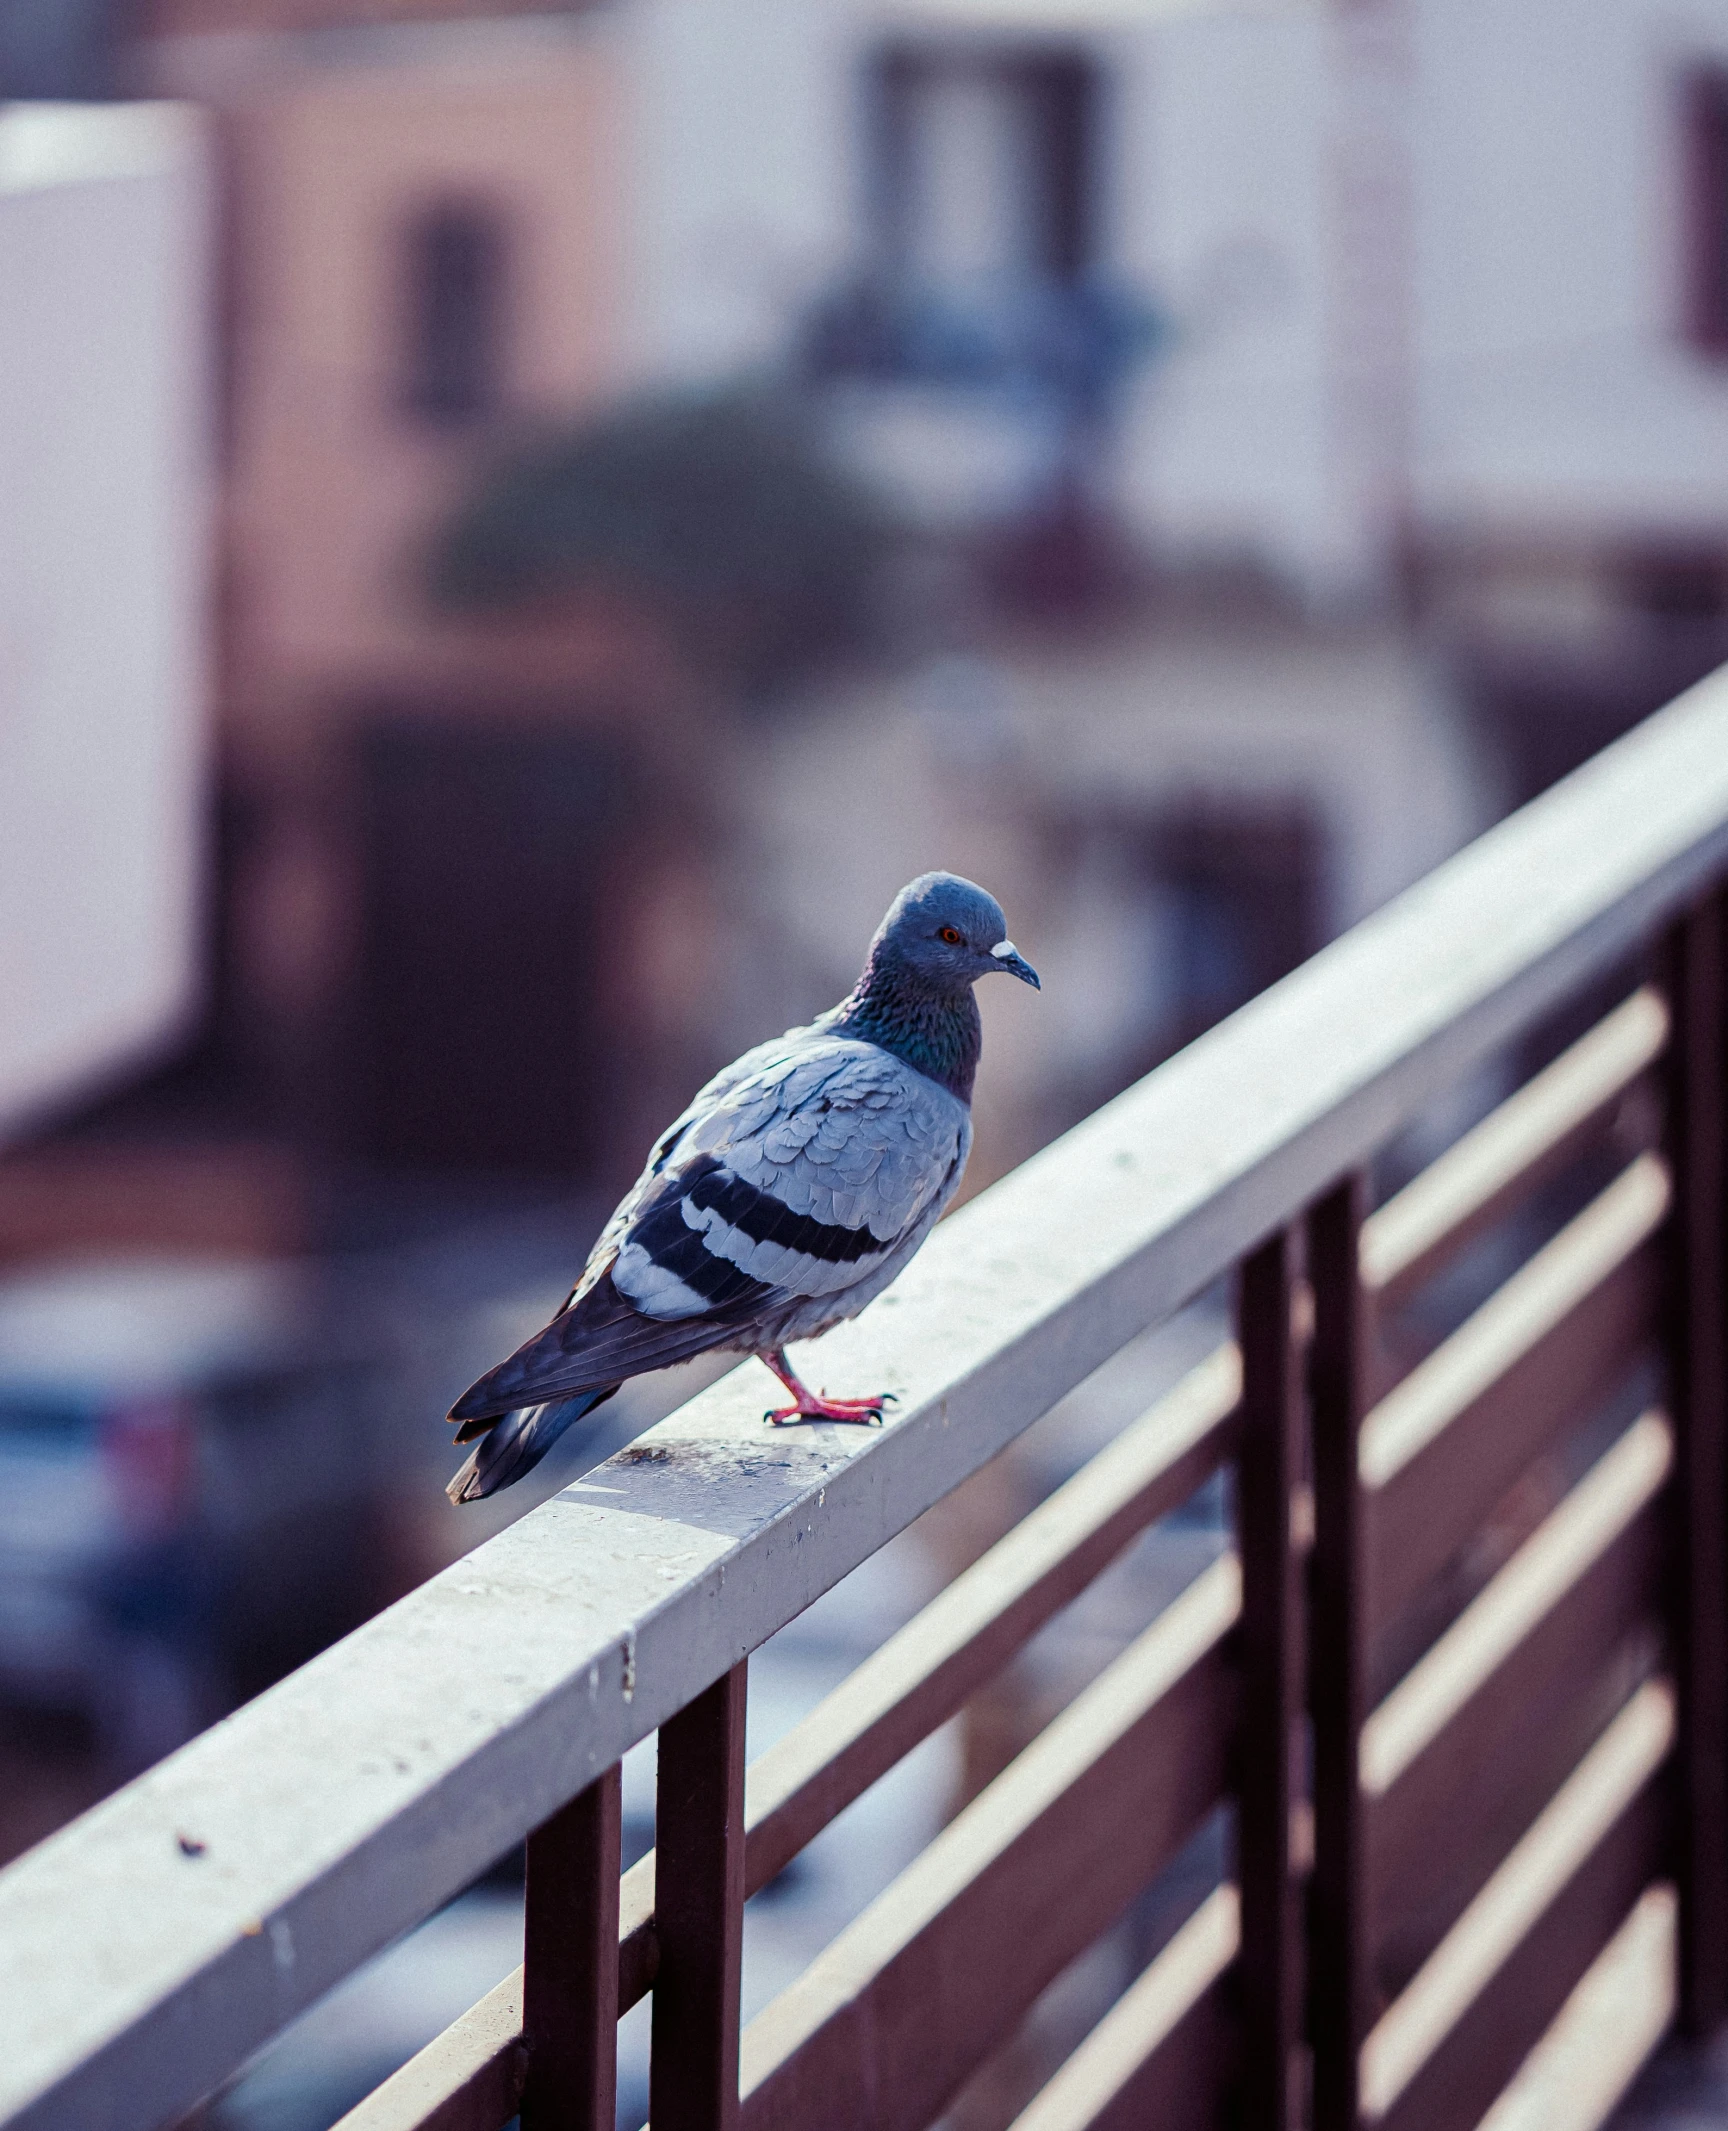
x: 935, y: 1030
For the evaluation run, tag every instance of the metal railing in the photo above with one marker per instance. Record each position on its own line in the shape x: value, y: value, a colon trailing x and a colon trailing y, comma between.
x: 1465, y: 1833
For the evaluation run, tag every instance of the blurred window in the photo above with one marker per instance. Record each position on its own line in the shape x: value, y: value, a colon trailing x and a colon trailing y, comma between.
x: 455, y: 290
x: 983, y: 166
x: 1707, y: 159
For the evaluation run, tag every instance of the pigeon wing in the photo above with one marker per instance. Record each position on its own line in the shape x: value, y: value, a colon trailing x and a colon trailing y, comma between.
x: 794, y: 1179
x: 801, y: 1182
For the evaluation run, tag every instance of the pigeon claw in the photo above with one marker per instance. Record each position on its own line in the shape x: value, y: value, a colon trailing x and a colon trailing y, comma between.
x: 813, y: 1406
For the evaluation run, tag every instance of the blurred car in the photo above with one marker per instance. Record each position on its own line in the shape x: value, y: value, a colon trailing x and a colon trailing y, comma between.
x: 186, y: 1495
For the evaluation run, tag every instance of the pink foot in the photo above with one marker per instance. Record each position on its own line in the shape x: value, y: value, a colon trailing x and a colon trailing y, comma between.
x: 811, y: 1405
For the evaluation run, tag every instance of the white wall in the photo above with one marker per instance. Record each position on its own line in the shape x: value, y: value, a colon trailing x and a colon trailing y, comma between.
x: 1531, y: 272
x: 1217, y: 201
x: 1541, y: 271
x: 103, y: 421
x: 742, y: 176
x: 1556, y: 389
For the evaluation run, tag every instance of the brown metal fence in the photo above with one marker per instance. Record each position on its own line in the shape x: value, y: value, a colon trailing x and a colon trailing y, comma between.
x: 1458, y: 1685
x: 1439, y: 1830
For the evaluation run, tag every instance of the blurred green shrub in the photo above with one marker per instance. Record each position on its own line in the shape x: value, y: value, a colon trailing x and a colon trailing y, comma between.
x: 721, y: 510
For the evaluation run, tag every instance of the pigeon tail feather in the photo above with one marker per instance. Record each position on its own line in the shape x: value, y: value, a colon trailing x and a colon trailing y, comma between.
x: 516, y: 1442
x: 599, y: 1338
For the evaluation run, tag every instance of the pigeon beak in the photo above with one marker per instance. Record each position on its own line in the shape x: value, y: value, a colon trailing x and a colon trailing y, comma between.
x: 1008, y: 957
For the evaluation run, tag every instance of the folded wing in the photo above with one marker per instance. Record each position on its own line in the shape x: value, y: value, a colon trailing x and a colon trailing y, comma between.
x: 797, y: 1179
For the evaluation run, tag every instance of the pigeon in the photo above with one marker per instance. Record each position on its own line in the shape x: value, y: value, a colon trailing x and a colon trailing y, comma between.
x: 788, y: 1195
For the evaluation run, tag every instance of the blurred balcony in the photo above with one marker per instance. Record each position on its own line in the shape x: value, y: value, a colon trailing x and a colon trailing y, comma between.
x: 979, y: 402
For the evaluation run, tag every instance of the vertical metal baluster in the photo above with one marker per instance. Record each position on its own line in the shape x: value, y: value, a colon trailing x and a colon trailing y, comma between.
x: 1340, y: 1998
x: 1271, y: 1481
x: 570, y: 1964
x: 1696, y: 971
x: 699, y: 1912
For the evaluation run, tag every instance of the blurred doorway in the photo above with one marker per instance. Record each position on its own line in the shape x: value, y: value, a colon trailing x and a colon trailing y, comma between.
x: 1243, y: 888
x: 491, y: 858
x: 1182, y: 912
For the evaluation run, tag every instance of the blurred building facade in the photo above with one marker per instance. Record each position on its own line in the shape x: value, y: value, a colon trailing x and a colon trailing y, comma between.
x: 1312, y: 421
x: 424, y: 248
x: 1309, y: 429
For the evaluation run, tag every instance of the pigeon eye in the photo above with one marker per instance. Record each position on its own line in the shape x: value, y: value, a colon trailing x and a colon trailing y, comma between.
x: 949, y: 934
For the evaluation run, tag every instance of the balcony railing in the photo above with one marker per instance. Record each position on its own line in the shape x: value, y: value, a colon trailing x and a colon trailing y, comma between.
x: 1466, y: 1834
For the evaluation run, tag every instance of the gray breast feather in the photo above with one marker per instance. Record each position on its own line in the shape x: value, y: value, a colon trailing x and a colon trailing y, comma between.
x: 800, y: 1179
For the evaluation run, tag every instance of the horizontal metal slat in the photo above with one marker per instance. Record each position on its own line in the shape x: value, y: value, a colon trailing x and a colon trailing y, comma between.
x: 1473, y: 2062
x: 923, y: 1674
x: 1438, y: 1835
x: 1599, y: 2040
x: 469, y: 2078
x: 1514, y: 1149
x: 884, y: 2025
x: 1523, y: 1683
x: 1574, y: 1534
x: 1441, y: 1449
x: 1439, y: 1503
x: 1575, y: 1822
x: 1160, y: 2054
x: 1530, y: 1305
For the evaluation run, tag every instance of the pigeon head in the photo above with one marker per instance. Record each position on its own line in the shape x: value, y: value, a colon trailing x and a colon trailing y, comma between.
x: 915, y: 999
x: 945, y: 933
